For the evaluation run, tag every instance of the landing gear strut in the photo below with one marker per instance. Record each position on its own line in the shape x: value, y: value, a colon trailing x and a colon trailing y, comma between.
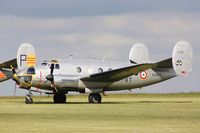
x: 59, y: 98
x: 28, y: 99
x: 94, y: 98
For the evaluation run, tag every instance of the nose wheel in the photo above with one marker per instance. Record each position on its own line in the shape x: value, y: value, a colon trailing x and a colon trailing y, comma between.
x: 94, y: 98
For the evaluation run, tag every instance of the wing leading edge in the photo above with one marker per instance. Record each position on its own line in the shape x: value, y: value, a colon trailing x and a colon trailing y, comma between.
x: 5, y: 69
x: 8, y: 64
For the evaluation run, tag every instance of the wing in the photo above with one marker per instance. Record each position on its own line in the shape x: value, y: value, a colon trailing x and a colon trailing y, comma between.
x: 5, y: 71
x: 7, y: 64
x: 118, y: 74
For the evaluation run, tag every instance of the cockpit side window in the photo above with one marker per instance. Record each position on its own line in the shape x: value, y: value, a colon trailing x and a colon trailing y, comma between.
x: 57, y: 66
x: 100, y: 70
x: 44, y: 64
x: 31, y: 70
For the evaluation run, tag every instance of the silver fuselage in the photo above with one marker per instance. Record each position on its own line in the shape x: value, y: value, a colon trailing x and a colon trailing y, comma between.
x: 67, y: 77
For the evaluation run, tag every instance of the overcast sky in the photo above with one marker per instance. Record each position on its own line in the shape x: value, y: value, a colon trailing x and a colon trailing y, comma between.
x: 94, y: 28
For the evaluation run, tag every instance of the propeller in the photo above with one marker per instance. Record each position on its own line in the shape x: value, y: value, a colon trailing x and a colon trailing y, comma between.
x: 52, y: 69
x: 51, y: 76
x: 16, y: 82
x: 15, y: 88
x: 40, y: 83
x: 13, y: 70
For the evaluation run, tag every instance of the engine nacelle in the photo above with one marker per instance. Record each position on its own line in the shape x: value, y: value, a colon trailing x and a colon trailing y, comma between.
x: 182, y: 58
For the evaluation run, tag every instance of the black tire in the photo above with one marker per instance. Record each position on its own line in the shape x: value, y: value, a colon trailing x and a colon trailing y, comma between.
x: 94, y: 98
x: 59, y: 98
x: 28, y: 100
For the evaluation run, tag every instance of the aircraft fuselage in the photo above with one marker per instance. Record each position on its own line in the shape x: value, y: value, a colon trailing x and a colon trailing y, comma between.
x: 67, y: 76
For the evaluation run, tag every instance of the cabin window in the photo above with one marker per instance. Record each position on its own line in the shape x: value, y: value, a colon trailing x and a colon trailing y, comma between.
x: 110, y: 69
x: 31, y: 70
x: 78, y: 69
x: 100, y: 70
x: 57, y: 66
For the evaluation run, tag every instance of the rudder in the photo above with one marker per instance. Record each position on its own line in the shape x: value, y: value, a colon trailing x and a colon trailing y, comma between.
x: 26, y: 56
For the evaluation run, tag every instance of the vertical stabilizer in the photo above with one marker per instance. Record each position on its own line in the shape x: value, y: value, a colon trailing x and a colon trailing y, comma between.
x: 182, y: 58
x: 139, y: 54
x: 26, y: 56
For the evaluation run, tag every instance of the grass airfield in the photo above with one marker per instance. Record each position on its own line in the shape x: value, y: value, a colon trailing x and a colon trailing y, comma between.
x: 127, y: 113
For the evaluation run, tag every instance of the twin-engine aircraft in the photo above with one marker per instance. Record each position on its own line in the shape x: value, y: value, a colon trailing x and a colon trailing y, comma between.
x: 93, y: 77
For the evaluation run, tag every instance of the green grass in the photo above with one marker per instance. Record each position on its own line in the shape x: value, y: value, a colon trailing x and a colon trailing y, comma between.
x: 136, y: 113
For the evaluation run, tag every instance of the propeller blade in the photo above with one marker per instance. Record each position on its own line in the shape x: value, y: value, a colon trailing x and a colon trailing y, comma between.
x: 14, y: 72
x: 13, y: 69
x: 40, y: 82
x: 52, y: 69
x: 15, y: 88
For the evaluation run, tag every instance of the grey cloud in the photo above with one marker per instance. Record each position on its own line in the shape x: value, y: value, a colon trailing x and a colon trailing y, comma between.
x: 70, y: 8
x: 119, y: 31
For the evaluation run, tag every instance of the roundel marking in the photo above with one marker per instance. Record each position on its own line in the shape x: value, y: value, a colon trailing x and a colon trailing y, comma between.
x: 143, y: 75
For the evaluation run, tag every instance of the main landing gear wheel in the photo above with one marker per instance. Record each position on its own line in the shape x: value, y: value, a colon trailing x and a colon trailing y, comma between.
x: 28, y: 100
x: 94, y: 98
x: 59, y: 98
